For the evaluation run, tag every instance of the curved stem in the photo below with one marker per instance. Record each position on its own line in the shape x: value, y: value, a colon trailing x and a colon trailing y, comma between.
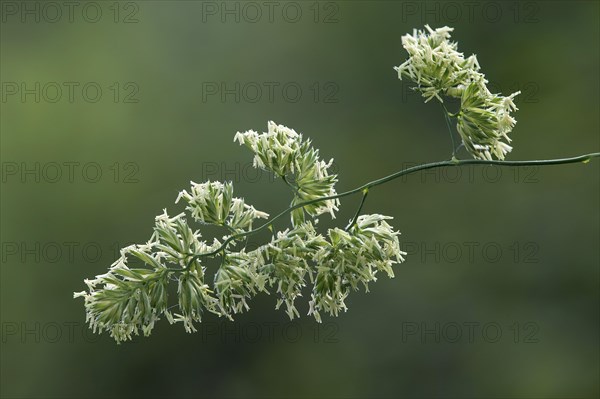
x: 362, y: 202
x: 228, y: 227
x: 290, y: 185
x: 365, y: 187
x: 447, y: 119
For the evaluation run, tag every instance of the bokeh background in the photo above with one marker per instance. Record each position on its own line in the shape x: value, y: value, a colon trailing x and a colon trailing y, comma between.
x: 499, y: 295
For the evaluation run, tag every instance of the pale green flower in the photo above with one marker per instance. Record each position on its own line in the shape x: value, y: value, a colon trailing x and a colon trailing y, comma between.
x: 126, y: 300
x: 284, y: 152
x: 276, y: 150
x: 351, y: 258
x: 484, y: 121
x: 134, y: 294
x: 438, y: 69
x: 195, y: 297
x: 213, y: 203
x: 435, y: 65
x: 286, y: 262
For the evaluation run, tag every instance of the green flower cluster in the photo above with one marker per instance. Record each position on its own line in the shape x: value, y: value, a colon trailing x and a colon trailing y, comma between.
x: 132, y: 296
x: 439, y: 70
x: 351, y: 258
x: 213, y: 203
x: 284, y: 152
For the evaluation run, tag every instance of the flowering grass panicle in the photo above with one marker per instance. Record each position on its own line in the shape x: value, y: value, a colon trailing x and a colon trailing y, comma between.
x: 213, y: 203
x: 222, y: 276
x: 285, y: 153
x: 128, y: 300
x: 440, y: 70
x: 350, y: 258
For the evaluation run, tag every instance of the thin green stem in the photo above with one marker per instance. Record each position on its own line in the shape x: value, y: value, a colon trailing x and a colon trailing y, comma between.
x: 357, y: 214
x: 228, y: 227
x: 447, y: 119
x: 290, y: 185
x: 560, y: 161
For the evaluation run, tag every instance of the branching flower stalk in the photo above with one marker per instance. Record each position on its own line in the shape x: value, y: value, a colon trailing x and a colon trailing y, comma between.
x: 440, y: 71
x: 134, y: 294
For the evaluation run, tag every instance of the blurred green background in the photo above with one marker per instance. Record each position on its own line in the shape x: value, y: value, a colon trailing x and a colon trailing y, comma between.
x: 110, y: 108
